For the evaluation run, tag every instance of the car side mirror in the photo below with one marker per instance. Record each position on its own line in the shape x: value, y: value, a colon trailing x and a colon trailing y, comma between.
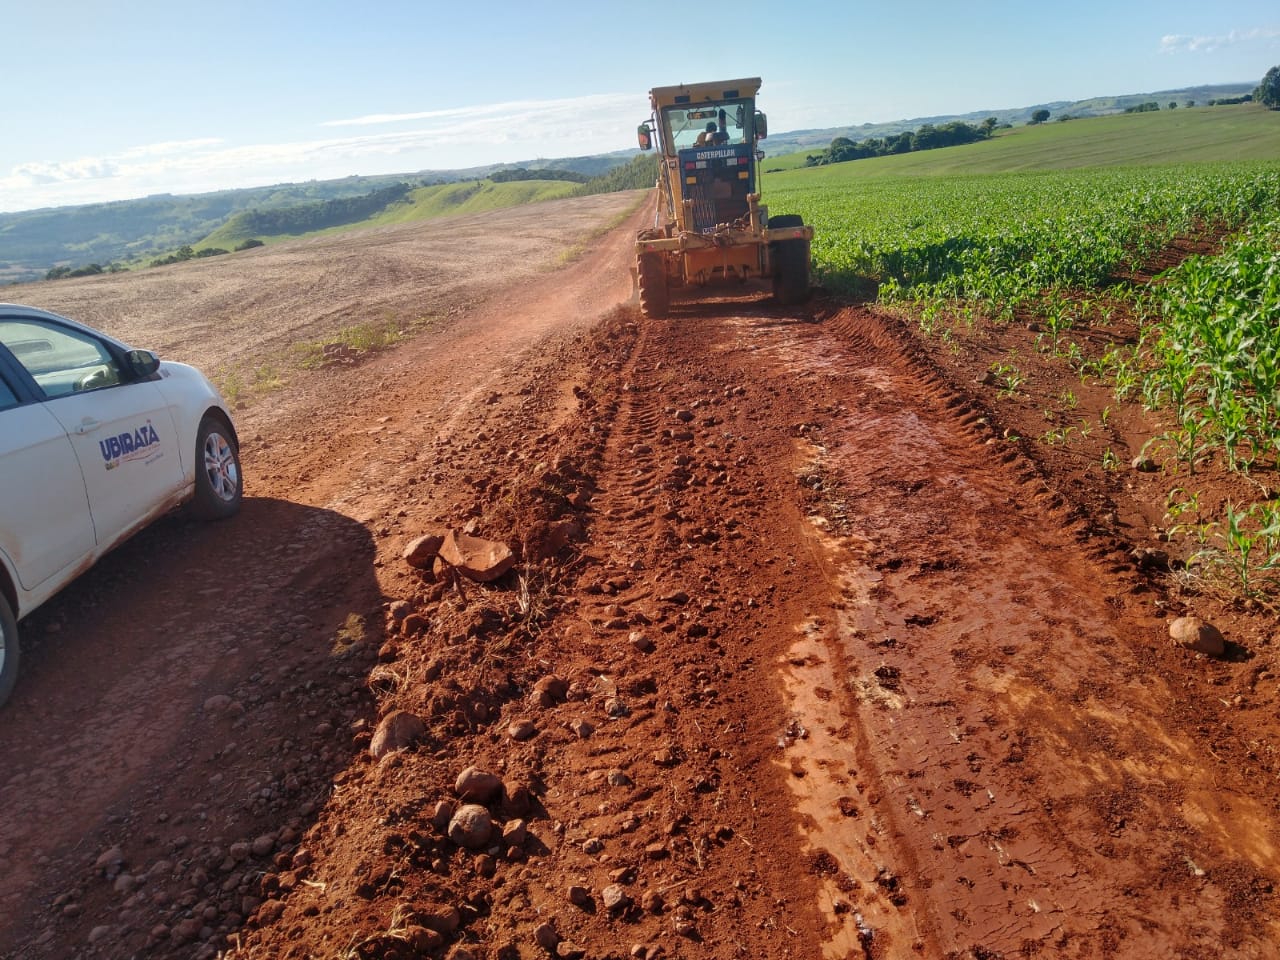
x: 142, y: 363
x: 644, y: 135
x: 762, y: 126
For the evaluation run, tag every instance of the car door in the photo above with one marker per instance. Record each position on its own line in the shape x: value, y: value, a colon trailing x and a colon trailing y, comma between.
x: 45, y: 527
x: 120, y: 428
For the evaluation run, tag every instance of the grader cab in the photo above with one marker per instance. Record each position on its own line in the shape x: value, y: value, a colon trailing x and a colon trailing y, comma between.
x: 710, y: 225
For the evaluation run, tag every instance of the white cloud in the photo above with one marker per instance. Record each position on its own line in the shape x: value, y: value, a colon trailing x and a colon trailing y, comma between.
x: 1178, y: 43
x: 85, y: 168
x: 531, y: 111
x: 171, y: 147
x: 438, y: 139
x: 123, y: 164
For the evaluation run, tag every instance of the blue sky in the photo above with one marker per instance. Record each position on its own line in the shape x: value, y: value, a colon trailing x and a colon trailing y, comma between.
x: 107, y: 101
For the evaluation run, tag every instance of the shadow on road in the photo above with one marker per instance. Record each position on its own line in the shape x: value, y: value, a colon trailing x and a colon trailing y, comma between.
x: 187, y: 702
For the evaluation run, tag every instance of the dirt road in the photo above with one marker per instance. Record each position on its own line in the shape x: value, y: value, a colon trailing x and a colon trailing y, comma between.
x: 800, y: 656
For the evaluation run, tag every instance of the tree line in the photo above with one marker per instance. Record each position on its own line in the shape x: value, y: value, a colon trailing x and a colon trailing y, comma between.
x: 1268, y: 91
x: 928, y: 137
x: 522, y: 173
x: 320, y: 214
x: 639, y: 173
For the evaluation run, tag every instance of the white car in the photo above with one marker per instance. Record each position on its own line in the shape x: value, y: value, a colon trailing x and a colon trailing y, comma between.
x: 96, y: 440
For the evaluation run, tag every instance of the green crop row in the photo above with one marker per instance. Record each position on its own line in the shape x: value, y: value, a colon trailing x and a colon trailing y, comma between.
x: 1000, y: 241
x: 1212, y: 358
x: 1214, y: 352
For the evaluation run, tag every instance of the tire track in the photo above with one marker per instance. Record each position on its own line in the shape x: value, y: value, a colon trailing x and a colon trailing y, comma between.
x: 974, y: 750
x: 1013, y: 750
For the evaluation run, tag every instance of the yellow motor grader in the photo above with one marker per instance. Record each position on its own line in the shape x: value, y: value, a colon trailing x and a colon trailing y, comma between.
x: 710, y: 224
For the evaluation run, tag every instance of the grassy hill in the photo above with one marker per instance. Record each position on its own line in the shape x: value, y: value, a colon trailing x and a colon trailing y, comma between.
x: 1196, y: 135
x: 423, y: 203
x: 32, y: 241
x: 813, y: 140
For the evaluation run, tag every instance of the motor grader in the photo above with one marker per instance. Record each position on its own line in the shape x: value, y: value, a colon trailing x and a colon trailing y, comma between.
x: 710, y: 225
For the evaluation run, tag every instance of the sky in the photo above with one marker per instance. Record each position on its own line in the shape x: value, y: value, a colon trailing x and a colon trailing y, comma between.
x: 112, y: 101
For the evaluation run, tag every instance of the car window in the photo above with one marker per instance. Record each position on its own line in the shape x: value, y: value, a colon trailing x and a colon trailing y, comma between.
x: 61, y: 361
x: 7, y: 397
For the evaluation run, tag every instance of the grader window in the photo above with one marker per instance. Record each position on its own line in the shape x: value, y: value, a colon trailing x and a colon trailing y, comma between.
x: 709, y: 124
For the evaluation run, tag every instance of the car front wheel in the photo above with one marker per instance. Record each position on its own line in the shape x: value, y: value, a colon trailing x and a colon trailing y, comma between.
x: 219, y: 484
x: 8, y: 650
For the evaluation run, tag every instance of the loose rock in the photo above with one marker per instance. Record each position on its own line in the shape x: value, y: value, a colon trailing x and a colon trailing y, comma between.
x: 522, y: 730
x: 475, y: 558
x: 517, y: 801
x: 514, y: 833
x: 550, y: 690
x: 615, y: 898
x: 217, y: 703
x: 441, y: 815
x: 421, y: 552
x: 1143, y: 464
x: 397, y: 730
x: 442, y: 919
x: 1192, y: 633
x: 477, y: 786
x: 471, y: 826
x: 546, y: 936
x: 109, y: 862
x: 422, y: 939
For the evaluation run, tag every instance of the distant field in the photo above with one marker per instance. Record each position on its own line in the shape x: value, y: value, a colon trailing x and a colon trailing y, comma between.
x: 424, y: 203
x: 474, y: 197
x: 1185, y: 135
x: 1055, y: 203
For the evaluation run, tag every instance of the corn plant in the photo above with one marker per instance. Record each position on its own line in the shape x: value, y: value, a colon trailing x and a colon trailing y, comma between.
x: 1249, y: 551
x: 1008, y: 378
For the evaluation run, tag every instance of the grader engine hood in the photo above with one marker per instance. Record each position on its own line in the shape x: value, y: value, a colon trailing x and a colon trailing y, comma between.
x: 716, y: 181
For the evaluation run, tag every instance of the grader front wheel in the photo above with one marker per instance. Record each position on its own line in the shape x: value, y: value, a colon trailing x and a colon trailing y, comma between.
x: 655, y: 297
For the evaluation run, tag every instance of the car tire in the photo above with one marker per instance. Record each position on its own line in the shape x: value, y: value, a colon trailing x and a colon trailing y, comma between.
x: 219, y: 482
x: 10, y: 651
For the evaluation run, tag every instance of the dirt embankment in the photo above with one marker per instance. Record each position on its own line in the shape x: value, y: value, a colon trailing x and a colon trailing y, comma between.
x: 800, y: 657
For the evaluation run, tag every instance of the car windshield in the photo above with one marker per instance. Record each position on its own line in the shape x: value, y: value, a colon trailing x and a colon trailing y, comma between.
x: 708, y: 124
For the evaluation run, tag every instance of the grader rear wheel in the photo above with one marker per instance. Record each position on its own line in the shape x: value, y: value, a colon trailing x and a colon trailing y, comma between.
x: 655, y: 297
x: 790, y: 271
x: 790, y: 262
